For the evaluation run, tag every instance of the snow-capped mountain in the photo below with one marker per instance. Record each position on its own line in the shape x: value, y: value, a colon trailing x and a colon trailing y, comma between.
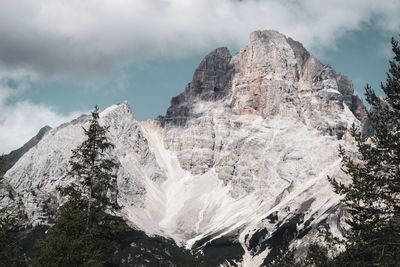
x: 241, y: 155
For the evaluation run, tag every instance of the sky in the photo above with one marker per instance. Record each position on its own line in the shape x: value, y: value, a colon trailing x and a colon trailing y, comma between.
x: 58, y: 58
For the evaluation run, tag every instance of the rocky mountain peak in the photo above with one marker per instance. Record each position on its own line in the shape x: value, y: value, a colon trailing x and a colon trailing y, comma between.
x: 210, y: 82
x: 122, y: 108
x: 272, y: 51
x: 211, y: 77
x: 273, y: 75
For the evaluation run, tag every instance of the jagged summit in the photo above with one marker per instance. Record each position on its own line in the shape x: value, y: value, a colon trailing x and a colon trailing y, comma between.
x: 273, y: 75
x: 240, y: 156
x: 210, y: 83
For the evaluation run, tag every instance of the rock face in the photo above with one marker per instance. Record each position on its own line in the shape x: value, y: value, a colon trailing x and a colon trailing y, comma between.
x: 241, y: 155
x: 11, y: 158
x: 210, y: 82
x: 272, y: 77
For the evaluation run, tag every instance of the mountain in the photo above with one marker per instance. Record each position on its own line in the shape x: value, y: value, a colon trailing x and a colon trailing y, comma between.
x: 11, y: 158
x: 240, y: 156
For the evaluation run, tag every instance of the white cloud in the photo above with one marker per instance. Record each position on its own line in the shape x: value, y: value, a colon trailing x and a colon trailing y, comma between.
x: 88, y: 38
x: 22, y: 120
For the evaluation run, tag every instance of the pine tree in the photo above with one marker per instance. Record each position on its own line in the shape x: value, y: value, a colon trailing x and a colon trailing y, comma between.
x: 11, y: 222
x: 86, y: 232
x: 373, y: 197
x: 69, y: 243
x: 94, y: 169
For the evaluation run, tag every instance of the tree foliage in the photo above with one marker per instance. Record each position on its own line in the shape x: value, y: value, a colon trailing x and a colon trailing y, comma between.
x: 70, y: 243
x: 94, y: 169
x: 373, y: 197
x: 286, y: 254
x: 86, y: 230
x: 11, y: 222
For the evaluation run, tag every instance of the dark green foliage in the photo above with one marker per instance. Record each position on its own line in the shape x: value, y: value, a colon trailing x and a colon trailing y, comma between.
x: 11, y: 222
x: 217, y: 251
x: 138, y: 249
x: 317, y: 256
x: 373, y: 197
x: 382, y: 250
x: 85, y: 231
x: 285, y: 256
x: 70, y: 242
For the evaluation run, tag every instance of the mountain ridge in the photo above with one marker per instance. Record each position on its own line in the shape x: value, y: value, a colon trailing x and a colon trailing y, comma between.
x: 11, y: 158
x: 241, y: 155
